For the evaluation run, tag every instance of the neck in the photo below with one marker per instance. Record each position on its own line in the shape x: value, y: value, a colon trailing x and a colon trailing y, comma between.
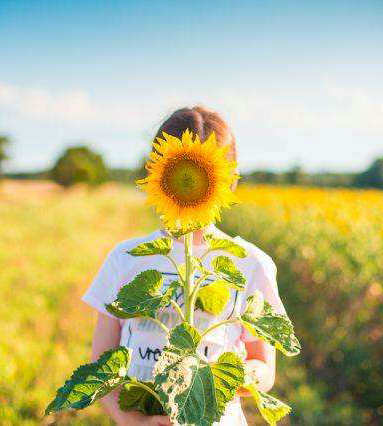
x: 198, y: 237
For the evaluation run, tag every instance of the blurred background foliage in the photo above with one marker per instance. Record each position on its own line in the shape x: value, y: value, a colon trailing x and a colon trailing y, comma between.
x: 79, y: 163
x: 327, y: 244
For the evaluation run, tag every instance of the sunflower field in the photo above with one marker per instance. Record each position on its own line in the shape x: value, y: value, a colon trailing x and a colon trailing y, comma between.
x: 328, y: 247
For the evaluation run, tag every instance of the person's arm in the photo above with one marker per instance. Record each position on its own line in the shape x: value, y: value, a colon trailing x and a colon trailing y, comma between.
x: 261, y: 357
x: 106, y: 336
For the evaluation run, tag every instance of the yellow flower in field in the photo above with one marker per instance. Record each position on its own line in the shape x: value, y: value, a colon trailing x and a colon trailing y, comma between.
x: 189, y: 180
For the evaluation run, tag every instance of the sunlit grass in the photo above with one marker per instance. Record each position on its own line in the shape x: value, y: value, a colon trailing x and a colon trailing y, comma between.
x: 327, y: 245
x: 51, y: 244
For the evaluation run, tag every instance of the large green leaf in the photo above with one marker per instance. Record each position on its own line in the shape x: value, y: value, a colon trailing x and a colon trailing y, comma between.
x: 213, y: 297
x: 225, y: 269
x: 159, y: 246
x: 192, y: 391
x: 228, y: 373
x: 93, y: 381
x: 184, y: 337
x: 133, y: 397
x: 271, y: 409
x: 275, y: 329
x: 186, y: 387
x: 225, y: 245
x: 142, y: 296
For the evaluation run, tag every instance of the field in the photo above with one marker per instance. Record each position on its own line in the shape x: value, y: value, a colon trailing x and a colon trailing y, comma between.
x: 328, y: 247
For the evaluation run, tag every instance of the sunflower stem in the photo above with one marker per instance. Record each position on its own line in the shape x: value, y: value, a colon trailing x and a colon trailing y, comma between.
x: 219, y: 324
x: 158, y: 322
x: 177, y: 308
x: 194, y: 293
x: 189, y: 279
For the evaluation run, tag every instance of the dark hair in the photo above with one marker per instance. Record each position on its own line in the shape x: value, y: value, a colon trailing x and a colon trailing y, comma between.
x: 201, y: 121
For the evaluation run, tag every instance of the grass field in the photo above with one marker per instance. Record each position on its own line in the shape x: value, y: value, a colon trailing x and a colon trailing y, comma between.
x: 327, y: 245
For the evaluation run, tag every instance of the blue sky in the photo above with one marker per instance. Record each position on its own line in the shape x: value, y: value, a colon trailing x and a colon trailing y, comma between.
x: 300, y: 82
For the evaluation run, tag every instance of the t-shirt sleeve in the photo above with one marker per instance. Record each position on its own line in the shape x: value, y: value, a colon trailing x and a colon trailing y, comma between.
x: 264, y: 278
x: 104, y: 287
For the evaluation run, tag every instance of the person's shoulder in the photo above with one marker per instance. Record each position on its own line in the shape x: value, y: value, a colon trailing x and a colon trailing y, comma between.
x: 257, y: 255
x: 123, y: 247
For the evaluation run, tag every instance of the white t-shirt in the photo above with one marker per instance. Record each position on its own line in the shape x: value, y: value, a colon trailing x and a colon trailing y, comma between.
x: 147, y: 340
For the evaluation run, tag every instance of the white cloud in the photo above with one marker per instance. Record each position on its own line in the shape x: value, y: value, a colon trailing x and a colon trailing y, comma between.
x: 356, y: 108
x: 325, y: 106
x: 76, y: 107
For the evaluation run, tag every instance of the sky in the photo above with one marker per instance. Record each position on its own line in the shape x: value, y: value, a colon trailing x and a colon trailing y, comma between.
x: 300, y: 83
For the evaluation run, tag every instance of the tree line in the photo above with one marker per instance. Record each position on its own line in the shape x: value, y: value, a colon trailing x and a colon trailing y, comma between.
x: 80, y: 164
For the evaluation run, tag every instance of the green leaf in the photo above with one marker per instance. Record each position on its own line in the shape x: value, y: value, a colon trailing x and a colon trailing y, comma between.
x: 135, y: 398
x: 228, y: 373
x: 179, y: 232
x: 142, y: 296
x: 213, y: 298
x: 91, y: 382
x: 184, y: 337
x: 160, y: 246
x: 226, y: 270
x: 191, y: 390
x: 185, y: 386
x: 225, y: 245
x: 271, y: 409
x: 275, y: 329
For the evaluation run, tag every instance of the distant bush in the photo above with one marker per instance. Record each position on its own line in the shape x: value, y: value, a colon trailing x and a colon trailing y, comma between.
x: 79, y: 164
x: 4, y: 142
x: 372, y: 177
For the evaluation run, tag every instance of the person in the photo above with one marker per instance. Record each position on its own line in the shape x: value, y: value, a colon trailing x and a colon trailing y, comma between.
x: 144, y: 337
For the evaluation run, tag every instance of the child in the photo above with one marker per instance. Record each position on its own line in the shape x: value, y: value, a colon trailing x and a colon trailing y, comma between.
x: 146, y: 338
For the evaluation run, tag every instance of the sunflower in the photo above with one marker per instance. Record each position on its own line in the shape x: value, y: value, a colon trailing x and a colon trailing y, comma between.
x: 189, y: 180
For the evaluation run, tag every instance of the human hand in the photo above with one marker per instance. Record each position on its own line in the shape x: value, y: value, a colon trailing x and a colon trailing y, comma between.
x: 158, y: 421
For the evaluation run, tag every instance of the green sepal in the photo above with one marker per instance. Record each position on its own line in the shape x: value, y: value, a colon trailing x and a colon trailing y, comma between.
x: 91, y: 382
x: 213, y: 297
x: 226, y: 270
x: 225, y: 245
x: 275, y: 329
x: 133, y: 397
x: 162, y: 246
x: 142, y: 296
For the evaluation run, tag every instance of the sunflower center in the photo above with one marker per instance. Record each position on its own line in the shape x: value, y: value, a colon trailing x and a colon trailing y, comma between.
x: 186, y: 182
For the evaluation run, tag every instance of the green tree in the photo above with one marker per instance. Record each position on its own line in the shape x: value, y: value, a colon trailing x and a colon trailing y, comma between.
x: 295, y: 175
x: 79, y: 164
x: 373, y: 176
x: 4, y: 142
